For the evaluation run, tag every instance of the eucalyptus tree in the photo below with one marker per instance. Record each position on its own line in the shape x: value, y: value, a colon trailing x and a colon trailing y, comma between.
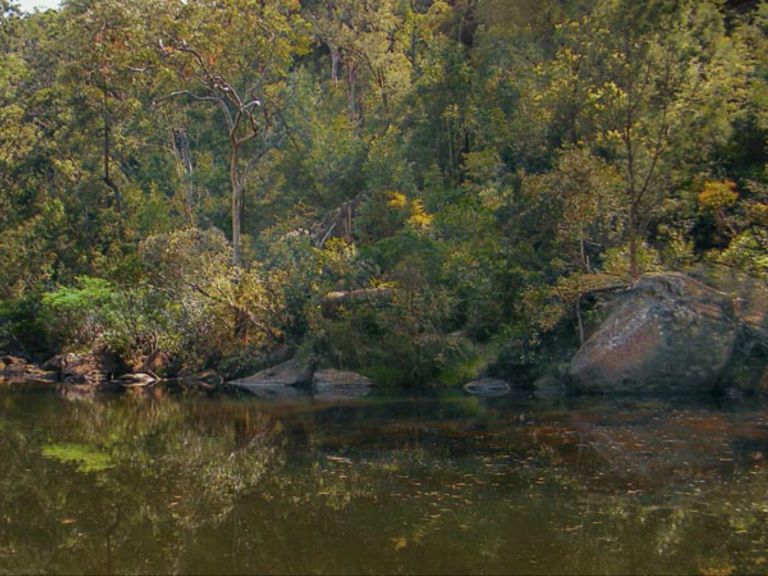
x: 372, y: 43
x: 234, y: 57
x: 651, y: 85
x: 107, y: 54
x: 31, y: 213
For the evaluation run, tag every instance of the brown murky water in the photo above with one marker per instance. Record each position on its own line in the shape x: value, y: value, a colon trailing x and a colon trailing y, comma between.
x: 386, y: 485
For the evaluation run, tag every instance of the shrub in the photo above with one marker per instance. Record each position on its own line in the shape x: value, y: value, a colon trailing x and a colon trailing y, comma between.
x: 78, y: 315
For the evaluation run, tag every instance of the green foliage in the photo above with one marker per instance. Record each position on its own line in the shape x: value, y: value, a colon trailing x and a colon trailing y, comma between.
x: 21, y: 324
x: 95, y: 313
x: 748, y: 252
x: 493, y: 162
x: 80, y: 314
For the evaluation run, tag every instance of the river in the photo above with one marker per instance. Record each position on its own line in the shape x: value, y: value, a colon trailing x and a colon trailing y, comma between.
x: 162, y: 483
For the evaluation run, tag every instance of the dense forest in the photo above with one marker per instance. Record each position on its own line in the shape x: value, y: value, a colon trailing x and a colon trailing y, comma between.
x: 411, y: 189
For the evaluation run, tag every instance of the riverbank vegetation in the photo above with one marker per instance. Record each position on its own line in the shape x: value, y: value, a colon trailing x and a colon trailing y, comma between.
x: 403, y: 187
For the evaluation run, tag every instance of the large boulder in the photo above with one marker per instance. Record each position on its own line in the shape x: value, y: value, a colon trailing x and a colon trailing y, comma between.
x: 277, y: 382
x: 333, y: 384
x: 670, y: 333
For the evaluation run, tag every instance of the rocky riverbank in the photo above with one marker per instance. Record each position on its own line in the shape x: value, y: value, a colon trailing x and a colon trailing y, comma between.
x: 667, y: 334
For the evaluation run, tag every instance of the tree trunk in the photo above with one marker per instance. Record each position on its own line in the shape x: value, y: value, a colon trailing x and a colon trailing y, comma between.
x: 185, y: 171
x: 352, y: 80
x: 237, y: 202
x: 334, y: 64
x: 634, y: 268
x: 107, y: 152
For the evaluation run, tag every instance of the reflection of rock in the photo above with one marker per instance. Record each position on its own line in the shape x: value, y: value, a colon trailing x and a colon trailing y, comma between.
x: 274, y: 392
x: 76, y: 392
x: 671, y: 333
x: 205, y: 380
x: 333, y: 384
x: 548, y: 386
x: 488, y: 388
x: 276, y: 382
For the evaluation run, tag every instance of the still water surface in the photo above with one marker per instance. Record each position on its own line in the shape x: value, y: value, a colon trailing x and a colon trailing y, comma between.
x: 451, y: 485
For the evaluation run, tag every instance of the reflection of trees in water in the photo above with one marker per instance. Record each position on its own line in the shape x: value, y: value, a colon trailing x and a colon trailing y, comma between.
x: 172, y: 472
x: 240, y: 487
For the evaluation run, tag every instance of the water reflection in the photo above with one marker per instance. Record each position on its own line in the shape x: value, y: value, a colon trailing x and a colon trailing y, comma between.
x: 452, y: 485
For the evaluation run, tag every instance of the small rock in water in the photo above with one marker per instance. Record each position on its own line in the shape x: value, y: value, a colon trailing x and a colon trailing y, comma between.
x: 277, y: 382
x: 333, y: 384
x: 488, y: 388
x: 138, y: 380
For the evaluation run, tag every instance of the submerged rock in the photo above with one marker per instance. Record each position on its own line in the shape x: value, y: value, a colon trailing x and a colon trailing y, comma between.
x: 333, y: 384
x: 670, y: 333
x: 488, y: 388
x: 279, y: 381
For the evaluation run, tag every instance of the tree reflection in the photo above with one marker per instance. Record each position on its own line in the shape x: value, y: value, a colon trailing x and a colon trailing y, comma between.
x: 137, y: 485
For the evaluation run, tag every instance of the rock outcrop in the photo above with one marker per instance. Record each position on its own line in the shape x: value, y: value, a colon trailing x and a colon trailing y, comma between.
x: 14, y: 369
x: 95, y: 369
x: 668, y: 334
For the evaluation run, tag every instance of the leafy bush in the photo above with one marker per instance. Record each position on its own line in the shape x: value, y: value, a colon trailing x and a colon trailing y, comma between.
x: 79, y: 315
